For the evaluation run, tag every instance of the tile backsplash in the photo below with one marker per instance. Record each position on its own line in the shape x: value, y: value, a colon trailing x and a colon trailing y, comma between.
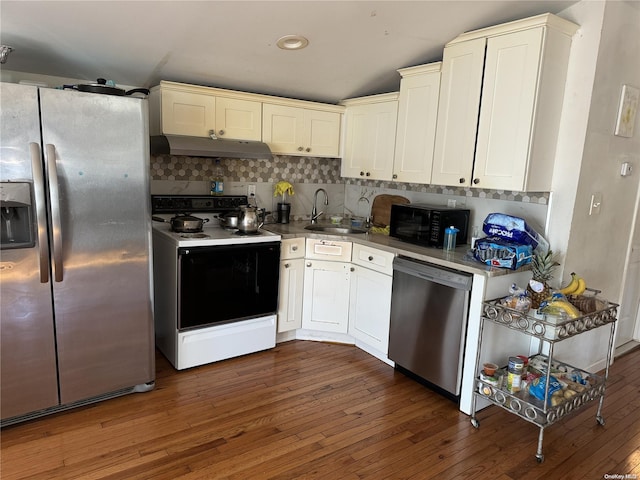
x: 312, y: 170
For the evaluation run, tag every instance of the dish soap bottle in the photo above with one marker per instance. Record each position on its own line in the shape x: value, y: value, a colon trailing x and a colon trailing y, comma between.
x: 217, y: 185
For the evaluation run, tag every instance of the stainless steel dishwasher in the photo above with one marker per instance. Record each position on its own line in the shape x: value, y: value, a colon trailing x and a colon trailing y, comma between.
x: 429, y: 307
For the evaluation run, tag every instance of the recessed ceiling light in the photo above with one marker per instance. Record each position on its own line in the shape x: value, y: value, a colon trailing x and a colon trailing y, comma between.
x: 292, y: 42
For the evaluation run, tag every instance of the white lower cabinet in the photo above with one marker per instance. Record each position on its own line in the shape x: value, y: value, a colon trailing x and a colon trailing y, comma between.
x: 291, y: 284
x: 326, y: 296
x: 370, y: 297
x: 326, y: 285
x: 342, y: 289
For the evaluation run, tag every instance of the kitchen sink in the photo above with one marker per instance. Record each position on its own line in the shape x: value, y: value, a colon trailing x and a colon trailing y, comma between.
x: 334, y: 229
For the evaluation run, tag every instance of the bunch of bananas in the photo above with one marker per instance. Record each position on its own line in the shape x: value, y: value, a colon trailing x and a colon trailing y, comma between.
x: 559, y: 307
x: 576, y: 286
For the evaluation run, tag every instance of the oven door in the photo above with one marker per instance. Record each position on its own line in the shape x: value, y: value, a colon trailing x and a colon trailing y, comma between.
x: 222, y: 284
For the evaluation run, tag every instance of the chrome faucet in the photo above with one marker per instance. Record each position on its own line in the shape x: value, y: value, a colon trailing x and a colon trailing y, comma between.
x: 314, y: 210
x: 367, y: 221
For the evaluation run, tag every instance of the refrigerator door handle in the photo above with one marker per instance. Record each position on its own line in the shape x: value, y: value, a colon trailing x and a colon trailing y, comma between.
x: 56, y: 224
x: 41, y: 212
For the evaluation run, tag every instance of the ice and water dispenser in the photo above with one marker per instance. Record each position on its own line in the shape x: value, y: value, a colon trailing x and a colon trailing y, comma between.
x: 17, y: 228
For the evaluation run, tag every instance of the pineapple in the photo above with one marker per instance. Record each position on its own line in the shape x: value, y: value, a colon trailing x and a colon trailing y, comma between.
x: 542, y: 266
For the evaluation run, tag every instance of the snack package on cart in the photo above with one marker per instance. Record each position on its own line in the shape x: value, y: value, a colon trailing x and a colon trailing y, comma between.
x: 498, y: 252
x: 514, y: 229
x: 517, y: 299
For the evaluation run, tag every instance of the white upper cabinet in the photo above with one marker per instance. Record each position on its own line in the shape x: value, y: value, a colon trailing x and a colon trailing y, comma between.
x: 459, y: 103
x: 291, y: 130
x: 180, y: 109
x: 370, y: 135
x: 511, y: 121
x: 416, y: 129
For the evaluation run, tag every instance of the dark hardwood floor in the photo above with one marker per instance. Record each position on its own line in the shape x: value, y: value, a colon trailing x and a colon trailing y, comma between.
x: 308, y: 410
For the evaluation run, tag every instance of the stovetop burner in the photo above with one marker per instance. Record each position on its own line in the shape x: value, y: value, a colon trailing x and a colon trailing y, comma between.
x: 248, y: 234
x: 194, y: 235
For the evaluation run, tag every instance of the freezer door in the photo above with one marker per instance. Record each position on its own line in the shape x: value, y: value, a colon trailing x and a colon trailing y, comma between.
x: 27, y: 353
x: 97, y: 159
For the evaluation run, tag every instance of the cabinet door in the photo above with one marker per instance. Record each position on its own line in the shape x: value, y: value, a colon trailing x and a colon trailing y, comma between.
x: 290, y: 295
x: 282, y: 128
x: 185, y: 113
x: 460, y: 87
x: 323, y: 131
x: 508, y: 101
x: 239, y: 119
x: 326, y: 296
x: 370, y: 140
x: 370, y: 307
x: 415, y: 138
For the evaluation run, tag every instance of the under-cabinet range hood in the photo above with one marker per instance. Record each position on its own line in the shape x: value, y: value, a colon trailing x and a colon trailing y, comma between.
x: 207, y: 147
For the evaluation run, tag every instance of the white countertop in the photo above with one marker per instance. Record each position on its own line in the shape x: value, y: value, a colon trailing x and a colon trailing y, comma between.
x: 457, y: 259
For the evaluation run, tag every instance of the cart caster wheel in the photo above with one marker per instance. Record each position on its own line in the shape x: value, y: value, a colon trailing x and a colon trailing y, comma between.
x: 600, y: 420
x: 475, y: 423
x: 540, y: 458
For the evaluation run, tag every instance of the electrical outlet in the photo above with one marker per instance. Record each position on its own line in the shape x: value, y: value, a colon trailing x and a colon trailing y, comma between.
x: 251, y: 190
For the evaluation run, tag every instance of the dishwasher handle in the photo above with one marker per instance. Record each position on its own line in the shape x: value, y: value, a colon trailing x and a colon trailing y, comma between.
x: 433, y: 273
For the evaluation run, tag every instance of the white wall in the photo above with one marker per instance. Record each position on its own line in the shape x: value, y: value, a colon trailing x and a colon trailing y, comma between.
x: 604, y: 56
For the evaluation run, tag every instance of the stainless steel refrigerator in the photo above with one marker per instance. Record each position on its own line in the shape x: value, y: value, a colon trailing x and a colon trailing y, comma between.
x: 75, y: 280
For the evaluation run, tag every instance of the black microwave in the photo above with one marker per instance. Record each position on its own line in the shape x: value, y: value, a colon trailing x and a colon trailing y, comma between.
x: 425, y: 224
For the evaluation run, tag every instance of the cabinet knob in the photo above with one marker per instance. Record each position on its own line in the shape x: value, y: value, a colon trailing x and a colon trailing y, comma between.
x: 368, y: 174
x: 308, y: 149
x: 221, y: 132
x: 308, y: 264
x: 462, y: 180
x: 294, y: 248
x: 476, y: 181
x: 362, y: 174
x: 394, y: 176
x: 286, y: 265
x: 352, y: 269
x: 370, y: 258
x: 300, y: 149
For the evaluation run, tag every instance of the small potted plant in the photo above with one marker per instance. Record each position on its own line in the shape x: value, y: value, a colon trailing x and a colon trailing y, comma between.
x: 283, y: 188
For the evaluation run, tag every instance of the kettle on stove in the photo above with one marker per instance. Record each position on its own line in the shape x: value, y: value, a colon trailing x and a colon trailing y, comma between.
x: 249, y: 220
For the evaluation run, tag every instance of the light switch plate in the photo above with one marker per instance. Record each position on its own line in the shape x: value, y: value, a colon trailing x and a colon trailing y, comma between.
x: 596, y: 202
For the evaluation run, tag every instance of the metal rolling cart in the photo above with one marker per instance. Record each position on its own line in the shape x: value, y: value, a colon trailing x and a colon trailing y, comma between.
x: 549, y: 332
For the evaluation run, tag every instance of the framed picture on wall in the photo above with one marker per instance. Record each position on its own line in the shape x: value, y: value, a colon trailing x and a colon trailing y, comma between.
x: 627, y: 109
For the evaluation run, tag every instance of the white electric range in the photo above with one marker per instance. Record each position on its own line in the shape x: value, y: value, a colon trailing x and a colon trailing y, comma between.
x: 215, y: 291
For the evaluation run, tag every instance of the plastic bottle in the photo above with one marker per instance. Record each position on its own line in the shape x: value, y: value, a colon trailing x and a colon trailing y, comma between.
x: 475, y: 236
x: 450, y: 237
x: 218, y: 179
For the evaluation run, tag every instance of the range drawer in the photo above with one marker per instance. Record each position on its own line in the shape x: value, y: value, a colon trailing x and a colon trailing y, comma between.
x: 372, y: 258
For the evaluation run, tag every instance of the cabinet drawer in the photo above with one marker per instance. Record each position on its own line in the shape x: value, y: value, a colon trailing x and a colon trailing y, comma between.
x: 372, y: 258
x: 335, y: 251
x: 292, y: 248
